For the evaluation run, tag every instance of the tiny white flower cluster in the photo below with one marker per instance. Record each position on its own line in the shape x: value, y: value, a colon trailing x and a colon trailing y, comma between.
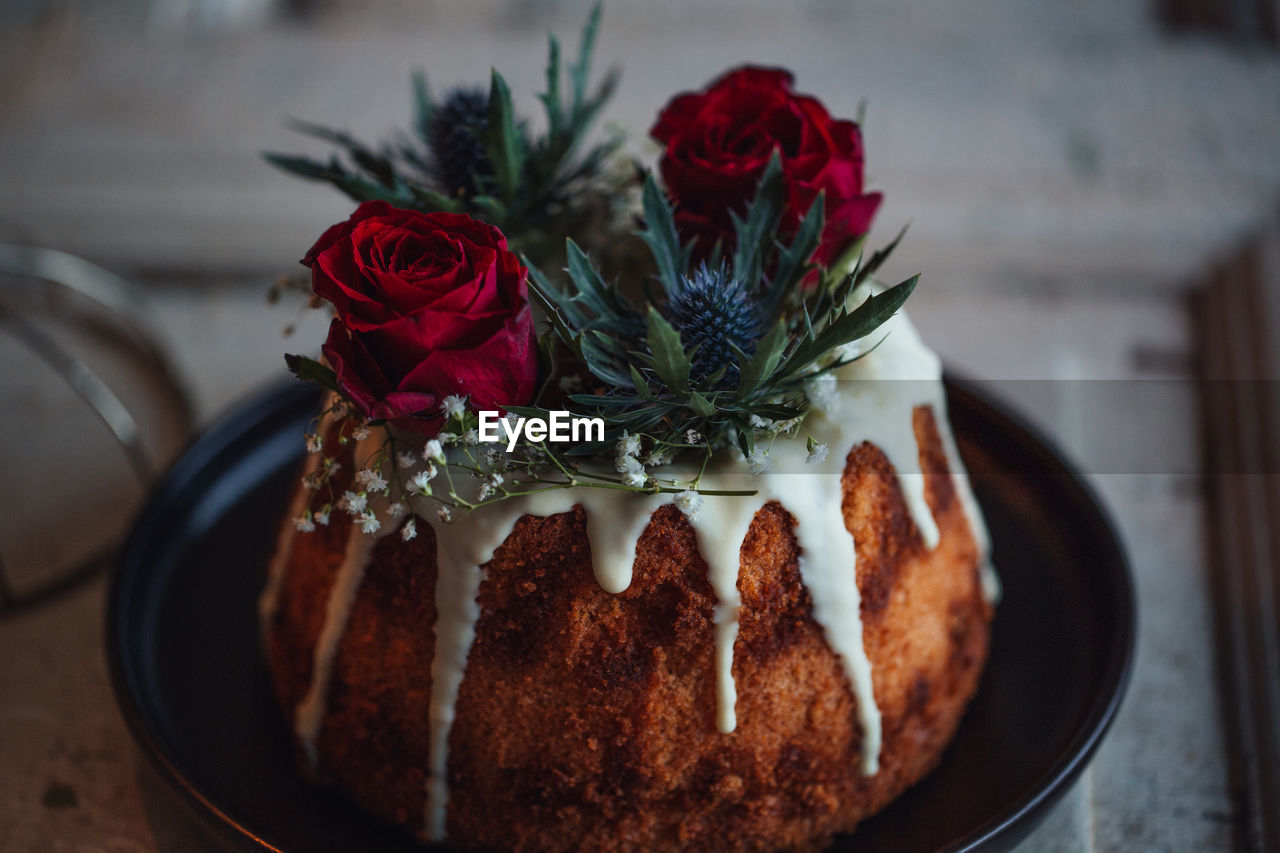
x: 307, y: 522
x: 454, y: 406
x: 433, y: 451
x: 315, y: 480
x: 625, y: 461
x: 420, y: 484
x: 773, y: 427
x: 818, y: 454
x: 372, y: 480
x: 490, y: 486
x: 628, y: 445
x: 788, y: 426
x: 658, y: 457
x: 824, y: 393
x: 690, y: 503
x: 759, y: 461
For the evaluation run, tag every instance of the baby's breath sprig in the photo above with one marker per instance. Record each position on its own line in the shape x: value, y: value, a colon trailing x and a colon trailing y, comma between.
x: 454, y: 473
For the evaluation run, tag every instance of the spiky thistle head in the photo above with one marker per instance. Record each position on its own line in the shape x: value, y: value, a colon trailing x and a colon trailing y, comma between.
x: 714, y: 312
x: 457, y: 128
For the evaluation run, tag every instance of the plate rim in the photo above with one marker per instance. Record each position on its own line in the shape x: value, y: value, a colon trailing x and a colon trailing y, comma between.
x: 1015, y: 823
x: 277, y: 398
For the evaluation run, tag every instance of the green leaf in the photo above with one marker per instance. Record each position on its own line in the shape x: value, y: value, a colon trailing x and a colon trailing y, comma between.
x: 777, y: 412
x: 714, y: 377
x: 303, y: 167
x: 310, y: 370
x: 548, y: 299
x: 660, y: 233
x: 642, y: 387
x: 374, y: 163
x: 850, y: 326
x: 599, y: 354
x: 585, y: 112
x: 701, y: 406
x: 502, y: 138
x: 551, y: 98
x: 841, y: 292
x: 670, y: 361
x: 601, y: 401
x: 793, y: 261
x: 423, y: 108
x: 398, y: 193
x: 848, y: 258
x: 768, y: 353
x: 490, y: 208
x: 433, y: 200
x: 583, y: 117
x: 362, y: 190
x: 754, y: 234
x: 879, y: 257
x: 582, y: 68
x: 591, y: 288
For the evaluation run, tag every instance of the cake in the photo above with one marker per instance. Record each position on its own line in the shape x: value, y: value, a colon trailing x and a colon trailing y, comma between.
x: 593, y: 671
x: 743, y: 611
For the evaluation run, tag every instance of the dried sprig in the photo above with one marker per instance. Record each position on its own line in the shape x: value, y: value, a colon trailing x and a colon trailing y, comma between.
x: 537, y: 189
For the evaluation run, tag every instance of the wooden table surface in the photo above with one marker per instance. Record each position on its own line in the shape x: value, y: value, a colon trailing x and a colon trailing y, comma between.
x: 1069, y: 175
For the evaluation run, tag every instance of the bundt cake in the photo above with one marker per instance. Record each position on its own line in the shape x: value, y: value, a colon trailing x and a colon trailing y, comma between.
x: 595, y: 670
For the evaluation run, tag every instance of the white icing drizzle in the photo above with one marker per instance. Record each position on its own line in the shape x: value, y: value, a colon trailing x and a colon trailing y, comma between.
x: 310, y: 713
x: 987, y: 577
x: 459, y: 556
x: 721, y: 525
x: 868, y: 408
x: 269, y: 600
x: 615, y: 521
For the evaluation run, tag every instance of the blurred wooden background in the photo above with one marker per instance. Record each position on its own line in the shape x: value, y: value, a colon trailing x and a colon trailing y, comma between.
x: 1070, y: 173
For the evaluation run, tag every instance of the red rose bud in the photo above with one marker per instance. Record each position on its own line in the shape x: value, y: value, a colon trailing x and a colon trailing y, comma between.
x: 719, y: 141
x: 429, y: 304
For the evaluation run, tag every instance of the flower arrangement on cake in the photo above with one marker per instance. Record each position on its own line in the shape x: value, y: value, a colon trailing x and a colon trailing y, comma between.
x: 660, y: 559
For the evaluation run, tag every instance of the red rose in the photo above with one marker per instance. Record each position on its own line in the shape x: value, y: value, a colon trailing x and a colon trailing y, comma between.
x: 429, y: 304
x: 718, y: 143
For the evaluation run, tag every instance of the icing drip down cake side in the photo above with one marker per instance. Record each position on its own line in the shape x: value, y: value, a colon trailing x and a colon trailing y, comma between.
x: 585, y: 670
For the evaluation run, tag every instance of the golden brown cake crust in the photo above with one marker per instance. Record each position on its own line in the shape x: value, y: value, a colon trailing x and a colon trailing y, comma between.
x: 586, y: 721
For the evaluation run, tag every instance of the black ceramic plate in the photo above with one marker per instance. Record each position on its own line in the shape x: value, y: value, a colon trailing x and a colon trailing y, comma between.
x: 183, y: 644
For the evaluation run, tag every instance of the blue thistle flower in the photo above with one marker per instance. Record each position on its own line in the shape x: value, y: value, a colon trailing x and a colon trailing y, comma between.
x: 714, y: 312
x: 459, y: 155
